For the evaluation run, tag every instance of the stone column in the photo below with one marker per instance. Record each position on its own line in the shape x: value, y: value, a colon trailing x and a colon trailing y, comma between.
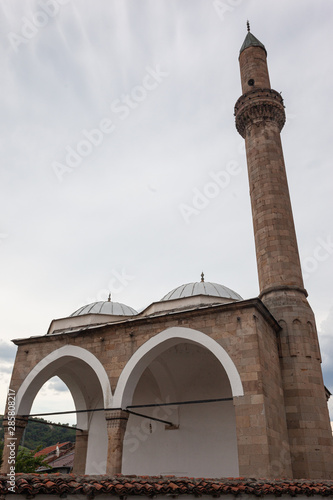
x: 13, y: 432
x: 80, y: 457
x: 116, y: 426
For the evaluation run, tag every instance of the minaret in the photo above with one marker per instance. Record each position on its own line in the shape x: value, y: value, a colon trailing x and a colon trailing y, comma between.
x: 260, y: 117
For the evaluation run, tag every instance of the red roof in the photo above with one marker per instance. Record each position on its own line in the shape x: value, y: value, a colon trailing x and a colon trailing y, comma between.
x: 67, y: 460
x: 50, y: 449
x: 118, y: 485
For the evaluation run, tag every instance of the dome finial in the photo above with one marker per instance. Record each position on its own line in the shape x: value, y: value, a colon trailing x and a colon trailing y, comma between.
x: 248, y: 25
x: 202, y: 277
x: 109, y: 297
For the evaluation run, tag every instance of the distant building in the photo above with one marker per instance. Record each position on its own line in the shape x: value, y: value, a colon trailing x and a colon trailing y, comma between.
x: 59, y: 457
x: 55, y: 451
x: 202, y: 383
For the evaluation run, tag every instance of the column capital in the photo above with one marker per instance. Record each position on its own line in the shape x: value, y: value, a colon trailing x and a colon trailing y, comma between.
x: 116, y: 418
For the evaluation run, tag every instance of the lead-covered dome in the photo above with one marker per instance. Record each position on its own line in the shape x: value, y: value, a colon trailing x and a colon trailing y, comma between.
x: 202, y: 288
x: 106, y: 307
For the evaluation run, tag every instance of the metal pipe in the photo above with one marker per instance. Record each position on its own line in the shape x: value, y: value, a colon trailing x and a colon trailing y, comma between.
x: 150, y: 418
x: 198, y: 401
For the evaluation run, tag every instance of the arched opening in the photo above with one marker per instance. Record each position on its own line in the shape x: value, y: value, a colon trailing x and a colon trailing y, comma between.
x: 180, y: 365
x: 89, y: 386
x: 55, y: 396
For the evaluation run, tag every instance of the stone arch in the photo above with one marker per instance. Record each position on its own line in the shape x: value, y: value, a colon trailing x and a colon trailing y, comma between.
x: 24, y: 393
x: 90, y: 388
x: 296, y: 347
x: 283, y: 339
x: 180, y: 365
x: 314, y: 341
x: 154, y: 346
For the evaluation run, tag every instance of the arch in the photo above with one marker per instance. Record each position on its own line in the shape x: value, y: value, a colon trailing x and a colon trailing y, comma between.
x: 283, y: 339
x: 160, y: 342
x: 90, y: 388
x: 30, y: 386
x: 314, y: 340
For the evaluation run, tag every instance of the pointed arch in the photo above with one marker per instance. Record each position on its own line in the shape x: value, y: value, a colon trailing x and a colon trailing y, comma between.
x: 53, y: 363
x: 159, y: 343
x: 90, y: 388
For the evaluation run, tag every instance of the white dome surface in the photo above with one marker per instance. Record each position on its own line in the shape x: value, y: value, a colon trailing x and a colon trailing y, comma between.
x: 202, y: 288
x: 106, y: 307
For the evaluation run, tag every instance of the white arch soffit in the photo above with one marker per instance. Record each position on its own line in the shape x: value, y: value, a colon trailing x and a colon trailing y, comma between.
x: 148, y: 351
x: 75, y: 352
x: 82, y: 419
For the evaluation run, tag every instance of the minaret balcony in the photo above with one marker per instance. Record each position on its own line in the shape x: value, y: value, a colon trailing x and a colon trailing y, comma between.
x: 259, y: 105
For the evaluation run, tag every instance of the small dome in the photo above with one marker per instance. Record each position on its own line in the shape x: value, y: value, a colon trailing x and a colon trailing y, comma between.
x: 202, y: 288
x: 106, y: 307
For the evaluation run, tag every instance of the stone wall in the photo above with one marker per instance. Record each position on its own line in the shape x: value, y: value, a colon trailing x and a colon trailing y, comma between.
x: 246, y: 331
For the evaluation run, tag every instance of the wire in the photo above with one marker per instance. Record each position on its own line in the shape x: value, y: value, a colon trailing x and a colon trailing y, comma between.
x: 198, y: 401
x: 81, y: 411
x: 68, y: 412
x: 149, y: 417
x: 152, y: 405
x: 53, y: 424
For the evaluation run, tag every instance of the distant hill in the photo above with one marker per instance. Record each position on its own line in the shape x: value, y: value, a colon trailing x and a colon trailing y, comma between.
x: 42, y: 434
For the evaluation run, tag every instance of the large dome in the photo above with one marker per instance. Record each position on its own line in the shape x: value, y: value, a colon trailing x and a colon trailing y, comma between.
x: 106, y: 307
x: 202, y: 288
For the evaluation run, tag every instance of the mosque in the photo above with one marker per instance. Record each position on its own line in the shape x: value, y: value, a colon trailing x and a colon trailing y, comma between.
x: 202, y: 383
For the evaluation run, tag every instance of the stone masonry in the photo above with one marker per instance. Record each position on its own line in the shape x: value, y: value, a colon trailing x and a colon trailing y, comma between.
x: 246, y: 330
x: 259, y: 119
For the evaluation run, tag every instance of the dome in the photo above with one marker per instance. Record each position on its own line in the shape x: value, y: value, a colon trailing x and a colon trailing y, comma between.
x: 202, y: 288
x: 106, y: 307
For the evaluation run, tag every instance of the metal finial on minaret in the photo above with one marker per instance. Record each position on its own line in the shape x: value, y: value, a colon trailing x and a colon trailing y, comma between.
x: 202, y: 277
x: 109, y: 297
x: 248, y: 25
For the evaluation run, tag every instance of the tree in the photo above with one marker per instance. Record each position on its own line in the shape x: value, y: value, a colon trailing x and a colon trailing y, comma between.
x: 27, y: 462
x: 40, y: 432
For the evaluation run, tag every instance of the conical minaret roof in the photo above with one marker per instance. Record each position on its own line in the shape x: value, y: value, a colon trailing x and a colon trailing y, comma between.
x: 251, y: 41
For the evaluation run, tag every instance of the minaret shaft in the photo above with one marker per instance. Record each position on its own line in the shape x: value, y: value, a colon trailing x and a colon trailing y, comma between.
x: 275, y: 238
x: 260, y: 117
x: 254, y: 64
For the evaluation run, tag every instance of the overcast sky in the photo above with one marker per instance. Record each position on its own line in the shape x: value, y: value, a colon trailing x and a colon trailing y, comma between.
x: 115, y: 117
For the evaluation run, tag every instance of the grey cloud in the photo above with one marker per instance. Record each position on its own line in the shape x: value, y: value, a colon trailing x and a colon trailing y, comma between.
x: 7, y: 351
x: 57, y: 385
x: 6, y: 368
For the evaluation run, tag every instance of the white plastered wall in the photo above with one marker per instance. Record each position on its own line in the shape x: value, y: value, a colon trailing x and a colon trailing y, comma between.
x: 180, y: 364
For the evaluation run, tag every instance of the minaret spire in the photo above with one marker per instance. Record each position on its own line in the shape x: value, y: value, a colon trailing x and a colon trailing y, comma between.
x: 248, y: 25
